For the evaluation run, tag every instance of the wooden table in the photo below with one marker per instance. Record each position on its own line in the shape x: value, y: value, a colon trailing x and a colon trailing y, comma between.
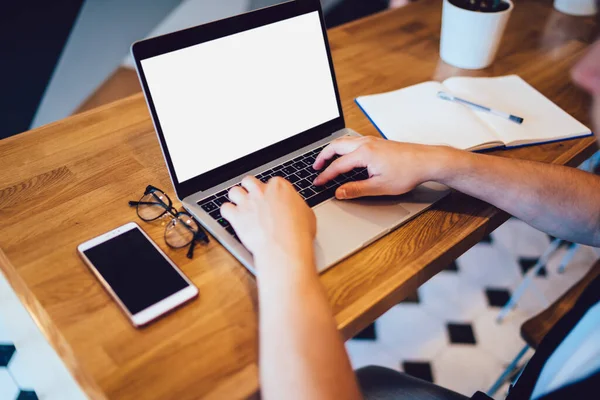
x: 69, y: 181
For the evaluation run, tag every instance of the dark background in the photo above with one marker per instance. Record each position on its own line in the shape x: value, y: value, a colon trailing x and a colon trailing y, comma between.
x: 33, y: 34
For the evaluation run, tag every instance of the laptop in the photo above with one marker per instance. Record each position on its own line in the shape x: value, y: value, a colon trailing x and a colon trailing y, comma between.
x: 256, y: 94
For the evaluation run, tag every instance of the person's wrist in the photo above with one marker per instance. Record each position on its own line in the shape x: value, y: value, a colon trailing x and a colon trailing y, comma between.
x: 282, y: 271
x: 277, y: 255
x: 445, y: 163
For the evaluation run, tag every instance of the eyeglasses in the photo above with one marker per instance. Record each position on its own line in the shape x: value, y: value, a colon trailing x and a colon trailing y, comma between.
x: 181, y: 231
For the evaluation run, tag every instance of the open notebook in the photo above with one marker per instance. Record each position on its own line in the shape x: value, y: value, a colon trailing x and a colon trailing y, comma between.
x: 415, y: 114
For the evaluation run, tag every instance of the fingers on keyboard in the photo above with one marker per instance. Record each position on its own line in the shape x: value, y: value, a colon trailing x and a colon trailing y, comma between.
x: 301, y: 174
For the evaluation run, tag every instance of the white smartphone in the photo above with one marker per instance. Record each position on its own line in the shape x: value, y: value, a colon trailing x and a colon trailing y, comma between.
x: 136, y: 273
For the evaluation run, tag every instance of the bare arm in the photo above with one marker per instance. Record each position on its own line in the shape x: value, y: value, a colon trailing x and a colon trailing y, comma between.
x: 302, y: 354
x: 562, y: 201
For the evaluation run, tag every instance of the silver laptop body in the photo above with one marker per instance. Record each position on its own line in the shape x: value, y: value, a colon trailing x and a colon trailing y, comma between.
x: 343, y: 227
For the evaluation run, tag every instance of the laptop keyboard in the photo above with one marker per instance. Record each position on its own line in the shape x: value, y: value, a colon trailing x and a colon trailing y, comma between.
x: 298, y: 172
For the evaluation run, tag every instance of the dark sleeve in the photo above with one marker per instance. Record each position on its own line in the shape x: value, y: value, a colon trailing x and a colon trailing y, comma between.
x: 523, y: 388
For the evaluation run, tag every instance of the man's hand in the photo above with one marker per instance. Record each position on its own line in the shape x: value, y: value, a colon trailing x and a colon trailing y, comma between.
x: 271, y: 219
x: 394, y: 168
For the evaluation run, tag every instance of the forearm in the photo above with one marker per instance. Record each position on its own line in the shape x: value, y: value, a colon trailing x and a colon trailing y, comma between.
x: 561, y: 201
x: 302, y: 355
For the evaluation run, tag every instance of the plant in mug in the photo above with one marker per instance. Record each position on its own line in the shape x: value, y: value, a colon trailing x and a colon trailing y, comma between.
x: 486, y: 6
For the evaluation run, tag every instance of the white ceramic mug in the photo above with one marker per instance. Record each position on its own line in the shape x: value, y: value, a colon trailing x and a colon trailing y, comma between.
x: 576, y: 7
x: 470, y: 39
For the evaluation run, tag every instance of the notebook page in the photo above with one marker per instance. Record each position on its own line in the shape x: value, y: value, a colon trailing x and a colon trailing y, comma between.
x: 415, y: 114
x: 543, y: 120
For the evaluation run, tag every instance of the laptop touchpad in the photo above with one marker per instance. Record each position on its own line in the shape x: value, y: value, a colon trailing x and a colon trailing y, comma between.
x: 345, y: 226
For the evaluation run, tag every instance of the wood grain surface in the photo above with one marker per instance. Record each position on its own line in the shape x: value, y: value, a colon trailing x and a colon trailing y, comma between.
x: 66, y: 182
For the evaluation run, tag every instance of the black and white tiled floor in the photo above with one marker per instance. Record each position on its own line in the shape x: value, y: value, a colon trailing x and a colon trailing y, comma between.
x: 447, y: 332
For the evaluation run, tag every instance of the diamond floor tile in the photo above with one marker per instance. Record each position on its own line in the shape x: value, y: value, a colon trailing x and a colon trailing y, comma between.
x: 6, y: 353
x: 452, y: 267
x: 497, y: 297
x: 461, y: 333
x: 418, y: 369
x: 487, y: 239
x: 369, y: 333
x: 527, y: 263
x: 27, y: 395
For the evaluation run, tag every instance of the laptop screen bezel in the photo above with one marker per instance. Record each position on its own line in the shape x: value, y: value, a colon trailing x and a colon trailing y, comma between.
x: 204, y: 33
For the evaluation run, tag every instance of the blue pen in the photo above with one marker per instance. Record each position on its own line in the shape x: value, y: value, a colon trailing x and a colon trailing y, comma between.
x: 510, y: 117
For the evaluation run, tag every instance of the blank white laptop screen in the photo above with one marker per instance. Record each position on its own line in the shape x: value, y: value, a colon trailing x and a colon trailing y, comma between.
x: 224, y: 99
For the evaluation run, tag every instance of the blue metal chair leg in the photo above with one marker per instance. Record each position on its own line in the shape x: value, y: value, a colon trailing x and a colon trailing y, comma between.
x: 507, y: 372
x: 573, y: 247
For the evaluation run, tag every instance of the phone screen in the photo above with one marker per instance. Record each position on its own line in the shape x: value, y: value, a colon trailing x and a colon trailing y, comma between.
x: 138, y: 274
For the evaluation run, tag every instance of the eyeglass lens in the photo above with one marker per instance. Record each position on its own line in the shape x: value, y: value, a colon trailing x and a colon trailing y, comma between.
x: 152, y: 205
x: 181, y: 231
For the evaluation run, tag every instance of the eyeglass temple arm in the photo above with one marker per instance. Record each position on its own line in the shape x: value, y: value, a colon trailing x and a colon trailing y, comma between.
x: 190, y: 253
x: 201, y: 234
x: 146, y: 203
